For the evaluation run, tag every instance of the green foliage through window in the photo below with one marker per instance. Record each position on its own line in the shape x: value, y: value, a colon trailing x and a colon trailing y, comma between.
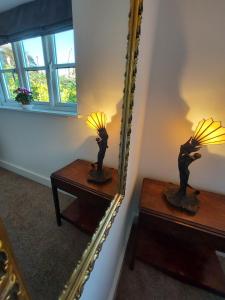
x: 38, y: 85
x: 12, y: 82
x: 67, y: 85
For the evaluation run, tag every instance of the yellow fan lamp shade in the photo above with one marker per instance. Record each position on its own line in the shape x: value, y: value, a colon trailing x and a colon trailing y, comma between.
x: 96, y: 120
x: 209, y: 132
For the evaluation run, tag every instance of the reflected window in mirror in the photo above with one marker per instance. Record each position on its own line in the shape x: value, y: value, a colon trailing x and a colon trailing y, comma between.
x: 45, y: 66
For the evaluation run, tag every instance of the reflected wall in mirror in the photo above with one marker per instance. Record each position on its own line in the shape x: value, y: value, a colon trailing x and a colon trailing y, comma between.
x: 49, y: 139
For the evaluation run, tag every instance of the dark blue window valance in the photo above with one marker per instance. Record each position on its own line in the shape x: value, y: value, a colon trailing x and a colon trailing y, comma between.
x: 36, y: 18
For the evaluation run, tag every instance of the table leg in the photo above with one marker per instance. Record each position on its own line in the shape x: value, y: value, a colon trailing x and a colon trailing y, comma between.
x: 56, y: 202
x: 134, y: 242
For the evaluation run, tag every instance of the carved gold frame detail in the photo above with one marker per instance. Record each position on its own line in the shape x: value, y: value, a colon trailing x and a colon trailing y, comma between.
x: 11, y: 282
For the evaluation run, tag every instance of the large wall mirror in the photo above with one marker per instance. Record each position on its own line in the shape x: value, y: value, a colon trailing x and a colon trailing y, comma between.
x: 56, y: 261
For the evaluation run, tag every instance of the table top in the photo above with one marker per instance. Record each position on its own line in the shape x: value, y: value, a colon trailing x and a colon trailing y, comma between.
x: 210, y: 217
x: 76, y: 174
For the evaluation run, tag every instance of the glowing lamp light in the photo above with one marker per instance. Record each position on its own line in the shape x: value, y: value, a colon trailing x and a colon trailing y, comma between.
x: 184, y: 197
x: 96, y: 120
x: 98, y: 174
x: 209, y: 132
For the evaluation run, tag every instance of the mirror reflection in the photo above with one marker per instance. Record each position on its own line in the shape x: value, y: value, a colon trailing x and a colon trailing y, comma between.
x: 61, y: 68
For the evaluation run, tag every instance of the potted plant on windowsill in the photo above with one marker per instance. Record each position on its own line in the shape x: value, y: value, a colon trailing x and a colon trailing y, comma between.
x: 24, y: 97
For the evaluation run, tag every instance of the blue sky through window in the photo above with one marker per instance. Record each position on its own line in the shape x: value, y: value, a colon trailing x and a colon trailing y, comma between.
x: 34, y: 52
x: 64, y: 49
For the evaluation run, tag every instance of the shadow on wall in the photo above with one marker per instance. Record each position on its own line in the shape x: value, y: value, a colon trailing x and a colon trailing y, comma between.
x: 166, y: 125
x: 165, y: 110
x: 113, y: 129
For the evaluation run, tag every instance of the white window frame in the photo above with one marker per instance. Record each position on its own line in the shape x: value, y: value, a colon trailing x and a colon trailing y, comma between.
x: 51, y: 67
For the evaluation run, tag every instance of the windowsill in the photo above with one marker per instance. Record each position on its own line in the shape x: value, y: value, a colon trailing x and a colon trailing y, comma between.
x: 41, y: 111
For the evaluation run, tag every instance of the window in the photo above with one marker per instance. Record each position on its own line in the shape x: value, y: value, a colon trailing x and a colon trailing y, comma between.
x: 46, y: 66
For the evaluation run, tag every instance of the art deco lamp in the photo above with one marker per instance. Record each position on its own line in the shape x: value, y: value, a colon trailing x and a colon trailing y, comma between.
x: 98, y: 174
x: 184, y: 197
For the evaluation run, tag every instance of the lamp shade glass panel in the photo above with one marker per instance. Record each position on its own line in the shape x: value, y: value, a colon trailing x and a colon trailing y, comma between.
x: 96, y: 120
x: 209, y: 132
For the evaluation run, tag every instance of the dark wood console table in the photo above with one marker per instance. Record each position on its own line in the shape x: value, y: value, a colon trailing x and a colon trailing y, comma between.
x: 179, y: 244
x: 92, y: 199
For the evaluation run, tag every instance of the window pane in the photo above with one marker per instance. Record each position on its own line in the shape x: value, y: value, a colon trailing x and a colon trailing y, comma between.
x: 12, y: 83
x: 67, y: 85
x: 6, y: 57
x: 33, y: 52
x: 65, y: 47
x: 38, y: 85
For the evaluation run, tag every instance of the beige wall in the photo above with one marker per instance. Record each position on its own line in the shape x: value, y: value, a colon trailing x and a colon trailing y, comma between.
x: 187, y: 84
x: 38, y: 144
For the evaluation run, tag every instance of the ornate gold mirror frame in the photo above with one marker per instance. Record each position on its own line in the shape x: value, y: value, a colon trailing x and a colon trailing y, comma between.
x: 80, y: 275
x: 11, y: 282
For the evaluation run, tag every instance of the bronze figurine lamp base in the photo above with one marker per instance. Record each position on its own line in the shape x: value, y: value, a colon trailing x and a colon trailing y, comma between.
x: 185, y: 197
x: 99, y: 174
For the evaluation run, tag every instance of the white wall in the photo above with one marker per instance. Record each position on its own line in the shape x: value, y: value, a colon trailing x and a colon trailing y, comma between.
x: 186, y: 85
x: 40, y: 144
x: 103, y: 280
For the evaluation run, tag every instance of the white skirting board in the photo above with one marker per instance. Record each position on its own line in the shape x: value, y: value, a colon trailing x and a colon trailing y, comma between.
x: 25, y: 173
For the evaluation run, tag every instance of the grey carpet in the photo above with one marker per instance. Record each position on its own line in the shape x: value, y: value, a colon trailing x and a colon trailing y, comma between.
x: 147, y: 283
x: 46, y: 253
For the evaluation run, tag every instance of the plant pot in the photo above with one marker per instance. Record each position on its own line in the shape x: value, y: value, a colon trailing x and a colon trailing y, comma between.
x: 27, y: 106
